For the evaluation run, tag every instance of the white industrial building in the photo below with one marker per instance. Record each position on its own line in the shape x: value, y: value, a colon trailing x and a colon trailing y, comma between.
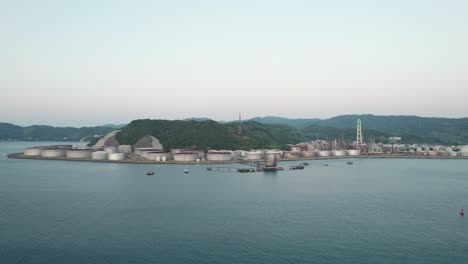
x: 219, y: 155
x: 100, y: 155
x: 187, y: 156
x: 253, y: 155
x: 323, y: 153
x: 53, y: 153
x: 117, y: 156
x: 79, y: 153
x: 35, y: 151
x: 338, y: 153
x: 353, y: 152
x: 158, y: 155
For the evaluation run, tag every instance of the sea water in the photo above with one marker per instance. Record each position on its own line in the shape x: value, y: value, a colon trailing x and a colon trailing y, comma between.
x: 374, y: 211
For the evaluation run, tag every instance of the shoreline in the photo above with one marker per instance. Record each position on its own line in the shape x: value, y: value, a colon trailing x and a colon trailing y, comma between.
x: 145, y: 161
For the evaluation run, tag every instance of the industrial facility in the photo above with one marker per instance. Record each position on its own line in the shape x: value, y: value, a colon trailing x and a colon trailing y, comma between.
x: 149, y: 150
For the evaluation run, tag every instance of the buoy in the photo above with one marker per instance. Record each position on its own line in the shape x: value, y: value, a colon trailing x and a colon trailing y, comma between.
x: 462, y: 212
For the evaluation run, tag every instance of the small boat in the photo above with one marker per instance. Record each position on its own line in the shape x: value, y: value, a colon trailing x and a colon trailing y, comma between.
x: 326, y: 164
x: 462, y: 212
x: 150, y: 173
x: 186, y: 171
x: 349, y: 163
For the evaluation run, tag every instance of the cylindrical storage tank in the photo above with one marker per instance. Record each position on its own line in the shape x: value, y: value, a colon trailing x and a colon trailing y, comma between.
x: 137, y: 151
x: 110, y: 149
x: 186, y: 156
x: 62, y: 146
x: 235, y: 154
x: 143, y: 151
x: 157, y: 155
x: 464, y: 149
x: 324, y: 153
x: 253, y: 155
x: 117, y: 156
x: 432, y: 153
x: 219, y: 156
x: 463, y: 154
x: 308, y: 154
x: 36, y: 151
x: 99, y: 155
x: 125, y: 149
x: 338, y: 153
x: 79, y: 153
x: 175, y: 151
x: 353, y: 152
x: 271, y: 155
x: 53, y: 153
x: 163, y: 159
x: 452, y: 153
x: 292, y: 154
x: 201, y: 154
x: 444, y: 153
x: 419, y: 149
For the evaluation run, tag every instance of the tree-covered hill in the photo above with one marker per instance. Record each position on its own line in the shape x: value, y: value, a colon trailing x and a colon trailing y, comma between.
x: 49, y: 133
x: 210, y: 134
x: 412, y: 129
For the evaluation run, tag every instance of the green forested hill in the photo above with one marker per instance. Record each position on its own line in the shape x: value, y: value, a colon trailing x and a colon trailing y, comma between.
x: 412, y: 129
x: 210, y: 134
x: 264, y: 132
x: 49, y: 133
x: 443, y: 130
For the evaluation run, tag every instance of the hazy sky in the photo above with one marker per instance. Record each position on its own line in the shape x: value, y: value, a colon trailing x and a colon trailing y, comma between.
x: 95, y: 62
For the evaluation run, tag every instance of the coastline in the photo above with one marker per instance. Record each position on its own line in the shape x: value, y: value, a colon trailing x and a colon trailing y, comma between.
x: 145, y: 161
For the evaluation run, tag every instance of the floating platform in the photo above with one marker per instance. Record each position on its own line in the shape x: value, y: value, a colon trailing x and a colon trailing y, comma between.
x: 297, y: 167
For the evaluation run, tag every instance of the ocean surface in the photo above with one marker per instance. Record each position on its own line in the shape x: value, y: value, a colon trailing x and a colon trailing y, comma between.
x: 375, y: 211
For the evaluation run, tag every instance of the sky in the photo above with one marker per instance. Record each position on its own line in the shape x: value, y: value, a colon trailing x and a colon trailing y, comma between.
x: 83, y: 63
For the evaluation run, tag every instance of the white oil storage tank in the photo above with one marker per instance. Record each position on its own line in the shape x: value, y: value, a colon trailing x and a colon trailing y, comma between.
x: 323, y: 153
x: 62, y: 146
x: 187, y: 156
x: 143, y: 151
x: 353, y: 152
x: 338, y: 153
x: 253, y: 155
x: 308, y: 154
x: 219, y: 155
x: 272, y: 155
x: 99, y: 155
x: 125, y: 149
x: 117, y: 156
x: 79, y: 153
x: 53, y: 153
x: 463, y: 152
x: 158, y: 155
x: 110, y: 149
x: 35, y: 151
x: 444, y: 153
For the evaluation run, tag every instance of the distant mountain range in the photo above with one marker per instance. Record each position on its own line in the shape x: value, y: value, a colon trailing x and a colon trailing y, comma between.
x: 49, y: 133
x: 412, y: 129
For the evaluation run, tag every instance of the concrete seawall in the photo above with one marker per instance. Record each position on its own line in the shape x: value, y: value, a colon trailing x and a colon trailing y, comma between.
x: 145, y: 161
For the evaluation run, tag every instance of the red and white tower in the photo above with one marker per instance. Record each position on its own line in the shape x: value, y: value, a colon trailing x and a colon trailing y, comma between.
x: 359, y: 138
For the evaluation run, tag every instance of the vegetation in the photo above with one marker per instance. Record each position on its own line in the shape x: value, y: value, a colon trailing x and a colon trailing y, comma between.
x: 267, y: 132
x: 49, y: 133
x: 210, y: 134
x: 412, y: 129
